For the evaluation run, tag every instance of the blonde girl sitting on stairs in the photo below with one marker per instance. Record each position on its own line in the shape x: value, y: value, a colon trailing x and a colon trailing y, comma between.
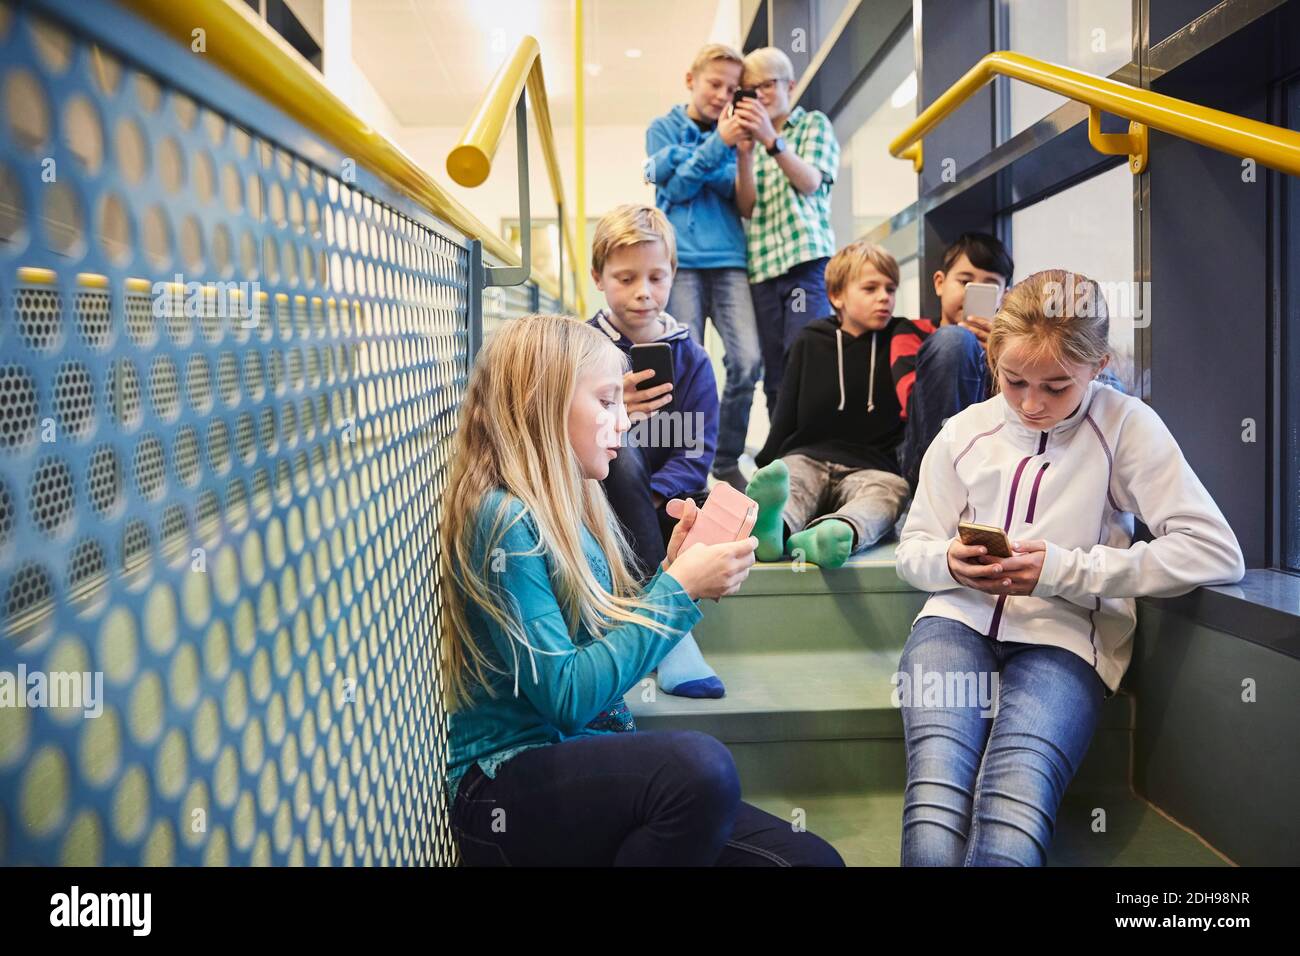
x: 544, y: 630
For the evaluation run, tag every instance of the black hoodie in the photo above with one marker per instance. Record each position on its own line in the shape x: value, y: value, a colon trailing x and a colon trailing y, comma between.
x: 837, y: 401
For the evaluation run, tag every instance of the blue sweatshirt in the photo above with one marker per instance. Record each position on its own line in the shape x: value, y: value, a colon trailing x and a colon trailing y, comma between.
x: 677, y: 467
x: 562, y: 683
x: 694, y: 175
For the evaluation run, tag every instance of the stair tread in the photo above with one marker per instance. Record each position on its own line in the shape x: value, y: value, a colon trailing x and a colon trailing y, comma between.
x: 874, y: 569
x: 813, y: 694
x: 866, y: 829
x: 776, y: 681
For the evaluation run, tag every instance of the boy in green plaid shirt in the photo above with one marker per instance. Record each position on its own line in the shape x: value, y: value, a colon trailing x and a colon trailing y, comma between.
x: 785, y: 191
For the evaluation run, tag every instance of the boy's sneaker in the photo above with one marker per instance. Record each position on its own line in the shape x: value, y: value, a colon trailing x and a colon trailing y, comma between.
x: 734, y: 477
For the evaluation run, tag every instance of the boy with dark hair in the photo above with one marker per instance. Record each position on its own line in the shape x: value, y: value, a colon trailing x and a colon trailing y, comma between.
x: 939, y: 370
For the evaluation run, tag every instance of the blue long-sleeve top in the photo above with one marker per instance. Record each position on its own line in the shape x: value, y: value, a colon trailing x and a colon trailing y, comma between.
x: 565, y: 679
x: 694, y: 175
x: 679, y: 451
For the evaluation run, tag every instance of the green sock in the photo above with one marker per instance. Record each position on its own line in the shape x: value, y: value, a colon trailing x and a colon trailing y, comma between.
x: 770, y: 487
x: 827, y: 544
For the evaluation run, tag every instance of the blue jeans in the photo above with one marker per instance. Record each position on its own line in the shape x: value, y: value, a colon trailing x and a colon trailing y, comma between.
x: 984, y: 790
x: 723, y: 295
x: 783, y: 306
x: 951, y: 373
x: 646, y: 798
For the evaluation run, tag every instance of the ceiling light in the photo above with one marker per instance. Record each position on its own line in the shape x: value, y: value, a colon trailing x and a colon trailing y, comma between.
x: 593, y: 69
x: 632, y: 54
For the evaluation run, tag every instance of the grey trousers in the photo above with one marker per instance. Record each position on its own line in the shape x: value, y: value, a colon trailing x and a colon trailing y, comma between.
x: 869, y: 501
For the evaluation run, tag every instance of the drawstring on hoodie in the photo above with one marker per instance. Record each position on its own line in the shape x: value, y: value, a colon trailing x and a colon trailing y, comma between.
x: 839, y: 361
x: 871, y: 381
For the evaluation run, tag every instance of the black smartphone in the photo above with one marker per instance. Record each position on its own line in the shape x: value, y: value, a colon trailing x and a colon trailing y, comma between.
x: 658, y: 356
x: 742, y: 94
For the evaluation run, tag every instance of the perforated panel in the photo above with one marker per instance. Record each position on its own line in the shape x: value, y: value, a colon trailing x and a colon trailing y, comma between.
x: 503, y: 303
x: 228, y: 509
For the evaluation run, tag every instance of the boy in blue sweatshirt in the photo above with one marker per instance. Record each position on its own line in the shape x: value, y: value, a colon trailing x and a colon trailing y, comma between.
x: 692, y: 162
x: 668, y: 450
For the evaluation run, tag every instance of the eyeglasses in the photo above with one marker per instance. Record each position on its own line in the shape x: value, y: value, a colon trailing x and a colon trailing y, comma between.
x: 767, y: 86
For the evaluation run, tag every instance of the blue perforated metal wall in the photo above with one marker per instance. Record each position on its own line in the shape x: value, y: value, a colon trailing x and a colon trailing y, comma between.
x: 228, y: 507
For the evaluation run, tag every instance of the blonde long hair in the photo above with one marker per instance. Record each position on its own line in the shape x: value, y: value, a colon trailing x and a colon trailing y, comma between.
x: 1056, y: 314
x: 513, y: 435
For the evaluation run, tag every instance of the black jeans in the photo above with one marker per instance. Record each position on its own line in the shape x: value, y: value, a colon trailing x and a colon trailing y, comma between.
x: 645, y: 798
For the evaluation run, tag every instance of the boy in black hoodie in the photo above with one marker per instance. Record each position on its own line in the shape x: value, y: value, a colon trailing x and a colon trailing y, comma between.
x: 828, y: 483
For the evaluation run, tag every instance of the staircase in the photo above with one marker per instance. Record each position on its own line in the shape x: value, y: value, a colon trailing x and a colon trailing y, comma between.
x: 808, y: 657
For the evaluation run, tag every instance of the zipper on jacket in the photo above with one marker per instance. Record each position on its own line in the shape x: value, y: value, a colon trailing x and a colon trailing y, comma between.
x: 1033, y: 495
x: 1011, y: 510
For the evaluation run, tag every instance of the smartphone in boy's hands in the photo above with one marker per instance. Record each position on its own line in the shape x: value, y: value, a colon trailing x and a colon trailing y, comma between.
x: 980, y: 301
x: 741, y: 95
x: 659, y: 357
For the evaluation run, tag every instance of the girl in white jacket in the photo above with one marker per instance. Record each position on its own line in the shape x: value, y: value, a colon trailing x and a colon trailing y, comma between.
x: 1062, y: 463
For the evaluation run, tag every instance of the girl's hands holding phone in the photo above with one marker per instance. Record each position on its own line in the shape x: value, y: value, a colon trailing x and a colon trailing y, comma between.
x: 973, y: 567
x: 710, y: 570
x: 688, y: 510
x: 648, y: 400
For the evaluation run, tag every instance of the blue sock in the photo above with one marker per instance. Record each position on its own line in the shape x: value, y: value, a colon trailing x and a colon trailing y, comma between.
x: 685, y: 673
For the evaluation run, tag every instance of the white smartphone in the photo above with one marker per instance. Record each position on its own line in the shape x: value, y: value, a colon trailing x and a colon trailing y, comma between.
x: 981, y: 300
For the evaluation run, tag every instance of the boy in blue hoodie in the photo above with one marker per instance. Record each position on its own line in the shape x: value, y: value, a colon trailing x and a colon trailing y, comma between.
x: 668, y: 452
x: 692, y: 163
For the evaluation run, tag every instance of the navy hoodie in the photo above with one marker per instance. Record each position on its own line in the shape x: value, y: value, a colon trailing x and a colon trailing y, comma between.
x: 694, y: 175
x: 680, y: 467
x: 837, y: 400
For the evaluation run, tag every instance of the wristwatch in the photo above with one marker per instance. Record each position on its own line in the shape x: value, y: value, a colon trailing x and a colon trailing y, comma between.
x: 777, y: 147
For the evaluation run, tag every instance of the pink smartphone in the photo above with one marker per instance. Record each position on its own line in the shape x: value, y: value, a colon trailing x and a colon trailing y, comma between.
x: 727, y: 515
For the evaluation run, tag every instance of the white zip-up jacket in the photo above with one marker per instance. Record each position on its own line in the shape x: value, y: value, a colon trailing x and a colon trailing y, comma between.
x: 1077, y: 486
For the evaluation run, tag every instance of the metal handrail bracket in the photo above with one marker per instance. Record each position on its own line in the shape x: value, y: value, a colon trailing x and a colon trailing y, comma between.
x: 1272, y: 146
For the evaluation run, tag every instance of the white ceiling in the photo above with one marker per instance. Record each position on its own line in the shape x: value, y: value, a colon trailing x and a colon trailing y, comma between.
x: 431, y: 60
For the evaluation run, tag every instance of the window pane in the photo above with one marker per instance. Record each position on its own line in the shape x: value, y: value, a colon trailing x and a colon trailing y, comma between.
x: 1087, y: 229
x: 872, y: 185
x: 1090, y: 35
x: 909, y: 288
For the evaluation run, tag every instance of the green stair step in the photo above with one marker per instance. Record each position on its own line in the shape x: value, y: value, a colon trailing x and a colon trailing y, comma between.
x: 808, y: 695
x: 825, y: 720
x: 779, y: 609
x: 866, y: 829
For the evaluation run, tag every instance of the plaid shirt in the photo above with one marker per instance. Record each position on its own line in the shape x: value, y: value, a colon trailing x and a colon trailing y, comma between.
x: 788, y: 227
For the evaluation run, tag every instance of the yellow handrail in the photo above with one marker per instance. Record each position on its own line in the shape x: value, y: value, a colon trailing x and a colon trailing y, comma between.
x: 1273, y: 146
x: 470, y: 160
x: 243, y: 46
